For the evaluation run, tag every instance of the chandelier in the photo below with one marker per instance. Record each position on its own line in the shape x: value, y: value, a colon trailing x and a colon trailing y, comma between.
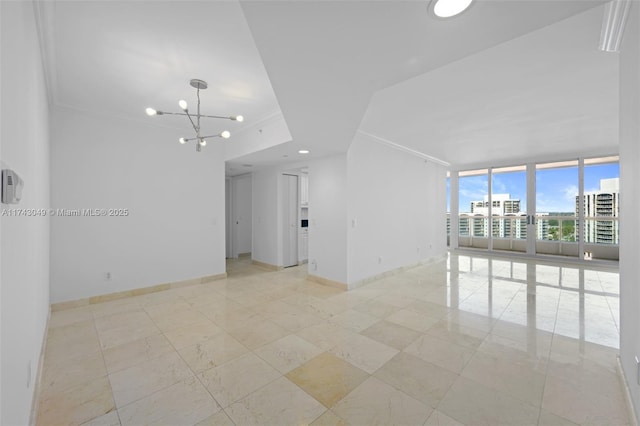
x: 195, y: 118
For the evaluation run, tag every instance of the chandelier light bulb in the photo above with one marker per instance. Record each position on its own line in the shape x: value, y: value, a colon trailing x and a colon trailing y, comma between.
x: 182, y: 141
x: 449, y: 8
x: 238, y: 118
x: 225, y: 134
x: 203, y: 142
x: 151, y: 112
x: 183, y: 105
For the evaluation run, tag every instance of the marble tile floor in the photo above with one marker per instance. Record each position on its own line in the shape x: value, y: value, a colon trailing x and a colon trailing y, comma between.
x: 468, y: 340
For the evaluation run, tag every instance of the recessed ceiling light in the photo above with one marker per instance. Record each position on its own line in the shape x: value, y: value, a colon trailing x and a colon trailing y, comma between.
x: 449, y: 8
x: 303, y: 151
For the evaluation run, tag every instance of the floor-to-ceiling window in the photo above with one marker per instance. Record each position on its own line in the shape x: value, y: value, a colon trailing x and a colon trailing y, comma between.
x: 557, y: 185
x: 473, y: 204
x: 536, y: 208
x: 509, y: 208
x: 601, y: 207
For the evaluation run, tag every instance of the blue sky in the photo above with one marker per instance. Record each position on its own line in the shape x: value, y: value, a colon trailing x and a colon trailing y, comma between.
x: 556, y: 188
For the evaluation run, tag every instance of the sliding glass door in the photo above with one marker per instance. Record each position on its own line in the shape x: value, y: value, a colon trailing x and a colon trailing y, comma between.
x: 568, y: 208
x: 557, y: 186
x: 509, y: 208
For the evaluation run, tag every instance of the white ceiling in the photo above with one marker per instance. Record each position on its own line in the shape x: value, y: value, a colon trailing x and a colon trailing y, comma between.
x: 322, y: 62
x: 547, y: 94
x: 118, y: 57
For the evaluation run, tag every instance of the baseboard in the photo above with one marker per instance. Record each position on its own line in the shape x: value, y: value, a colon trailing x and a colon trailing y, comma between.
x: 244, y: 255
x: 324, y: 281
x: 267, y: 265
x: 395, y: 271
x: 627, y: 393
x: 37, y: 384
x: 61, y: 306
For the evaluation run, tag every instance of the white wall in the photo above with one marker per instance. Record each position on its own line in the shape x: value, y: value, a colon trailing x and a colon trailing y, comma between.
x: 630, y: 202
x: 175, y: 229
x: 241, y: 220
x: 266, y: 246
x: 262, y: 135
x: 24, y: 259
x: 328, y: 201
x: 397, y: 209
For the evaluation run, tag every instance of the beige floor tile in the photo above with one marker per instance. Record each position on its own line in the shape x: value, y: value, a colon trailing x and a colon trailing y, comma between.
x: 587, y: 396
x: 471, y: 320
x: 326, y: 335
x: 533, y: 354
x: 287, y: 353
x: 63, y: 373
x: 142, y: 380
x: 473, y: 404
x: 115, y: 307
x: 237, y: 378
x: 178, y: 319
x: 440, y: 352
x: 354, y: 320
x: 121, y: 319
x: 279, y: 403
x: 186, y: 402
x: 440, y: 419
x: 324, y: 308
x: 171, y: 307
x: 132, y: 353
x: 273, y: 308
x: 434, y: 310
x: 213, y: 352
x: 70, y: 316
x: 412, y: 320
x: 501, y: 361
x: 395, y: 299
x: 296, y: 319
x: 78, y: 404
x: 218, y: 419
x: 363, y: 352
x: 109, y: 419
x: 72, y: 340
x: 518, y: 380
x: 327, y: 378
x: 391, y: 334
x: 376, y: 308
x: 458, y: 334
x: 259, y: 334
x: 550, y: 419
x: 329, y: 418
x: 375, y: 402
x: 234, y: 317
x: 115, y: 330
x: 193, y: 334
x: 419, y: 379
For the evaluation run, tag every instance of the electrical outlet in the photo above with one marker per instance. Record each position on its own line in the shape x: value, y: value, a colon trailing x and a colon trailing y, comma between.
x: 107, y: 276
x: 379, y: 259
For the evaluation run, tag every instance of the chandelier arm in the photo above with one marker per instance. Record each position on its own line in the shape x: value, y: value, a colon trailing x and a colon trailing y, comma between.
x: 196, y: 128
x: 211, y: 136
x: 217, y: 116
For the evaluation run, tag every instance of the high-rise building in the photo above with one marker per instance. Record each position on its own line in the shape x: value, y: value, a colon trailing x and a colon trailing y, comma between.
x: 510, y: 223
x: 600, y: 204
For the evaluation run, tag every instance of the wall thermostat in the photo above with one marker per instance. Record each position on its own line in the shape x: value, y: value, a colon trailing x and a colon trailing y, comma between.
x: 11, y: 187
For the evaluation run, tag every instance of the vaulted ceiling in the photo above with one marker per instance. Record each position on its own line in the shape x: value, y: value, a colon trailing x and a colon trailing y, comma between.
x: 505, y: 78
